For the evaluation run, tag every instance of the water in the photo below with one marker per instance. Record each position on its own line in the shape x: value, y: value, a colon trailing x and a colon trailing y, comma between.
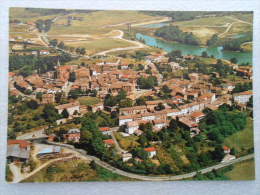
x: 156, y: 25
x: 218, y: 52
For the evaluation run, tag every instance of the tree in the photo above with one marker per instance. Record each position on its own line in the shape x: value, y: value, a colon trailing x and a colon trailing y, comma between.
x: 65, y: 113
x: 213, y: 40
x: 233, y: 60
x: 50, y: 114
x: 54, y: 42
x: 61, y: 45
x: 175, y: 54
x: 32, y: 104
x: 204, y: 54
x: 126, y: 103
x: 140, y: 67
x: 83, y: 51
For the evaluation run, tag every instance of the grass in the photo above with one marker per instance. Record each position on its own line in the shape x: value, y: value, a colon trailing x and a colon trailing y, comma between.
x: 242, y: 171
x: 165, y: 158
x: 88, y: 100
x: 242, y: 140
x: 247, y: 46
x: 74, y: 171
x: 98, y: 22
x: 99, y: 45
x: 204, y: 28
x: 127, y: 142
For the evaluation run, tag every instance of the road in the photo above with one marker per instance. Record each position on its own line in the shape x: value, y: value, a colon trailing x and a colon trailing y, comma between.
x: 154, y: 178
x: 138, y: 45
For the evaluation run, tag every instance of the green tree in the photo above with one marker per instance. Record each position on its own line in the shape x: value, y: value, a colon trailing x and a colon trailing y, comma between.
x: 32, y: 104
x: 65, y: 113
x: 50, y: 114
x: 54, y: 42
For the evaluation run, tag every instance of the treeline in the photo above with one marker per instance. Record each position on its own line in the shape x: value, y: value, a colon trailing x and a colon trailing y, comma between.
x: 61, y: 45
x: 45, y: 12
x: 43, y: 25
x: 233, y: 44
x: 173, y: 33
x: 239, y: 87
x: 26, y: 65
x: 190, y: 15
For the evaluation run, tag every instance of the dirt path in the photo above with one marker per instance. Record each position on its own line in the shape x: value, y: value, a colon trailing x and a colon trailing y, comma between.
x: 25, y: 176
x: 138, y: 45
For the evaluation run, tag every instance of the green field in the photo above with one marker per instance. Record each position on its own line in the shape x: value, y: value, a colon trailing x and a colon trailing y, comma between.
x: 100, y: 44
x: 242, y: 140
x: 88, y: 100
x: 99, y: 22
x: 204, y: 28
x: 242, y: 171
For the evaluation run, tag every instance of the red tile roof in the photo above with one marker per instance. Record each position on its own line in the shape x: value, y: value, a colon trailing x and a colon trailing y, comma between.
x: 150, y: 149
x: 22, y: 143
x: 109, y: 141
x: 104, y: 128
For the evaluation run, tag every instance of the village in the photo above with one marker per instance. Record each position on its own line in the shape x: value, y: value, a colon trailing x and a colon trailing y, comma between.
x: 131, y: 101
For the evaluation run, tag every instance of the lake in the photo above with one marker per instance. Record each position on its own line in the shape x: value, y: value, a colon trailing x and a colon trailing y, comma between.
x: 218, y: 52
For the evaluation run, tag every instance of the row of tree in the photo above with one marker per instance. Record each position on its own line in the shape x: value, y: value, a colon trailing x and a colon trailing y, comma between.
x: 173, y: 33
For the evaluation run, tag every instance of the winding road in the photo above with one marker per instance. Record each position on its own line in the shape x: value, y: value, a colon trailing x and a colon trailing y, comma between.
x: 138, y: 45
x: 82, y: 155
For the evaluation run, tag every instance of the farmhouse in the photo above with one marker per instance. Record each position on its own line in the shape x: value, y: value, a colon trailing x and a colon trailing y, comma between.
x: 73, y: 135
x: 18, y: 150
x: 151, y: 151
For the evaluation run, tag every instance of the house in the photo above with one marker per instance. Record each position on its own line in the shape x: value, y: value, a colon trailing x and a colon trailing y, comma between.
x: 133, y: 110
x: 226, y: 149
x: 187, y: 123
x: 48, y: 98
x: 61, y: 121
x: 152, y: 104
x: 124, y: 119
x: 151, y: 151
x: 18, y: 150
x: 126, y: 156
x: 159, y: 124
x: 72, y: 108
x: 105, y: 130
x: 97, y: 107
x: 197, y: 116
x: 109, y: 142
x: 131, y: 127
x: 73, y: 135
x: 242, y: 97
x: 209, y: 97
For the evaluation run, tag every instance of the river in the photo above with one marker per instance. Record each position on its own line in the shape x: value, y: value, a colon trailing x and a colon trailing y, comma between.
x: 218, y: 52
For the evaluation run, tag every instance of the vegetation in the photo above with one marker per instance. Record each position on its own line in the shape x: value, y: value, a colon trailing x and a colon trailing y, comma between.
x: 147, y: 83
x: 27, y: 65
x: 223, y: 123
x: 173, y: 33
x: 242, y: 171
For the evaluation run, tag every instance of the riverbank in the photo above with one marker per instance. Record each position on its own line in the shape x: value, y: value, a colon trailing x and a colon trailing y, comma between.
x: 217, y: 52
